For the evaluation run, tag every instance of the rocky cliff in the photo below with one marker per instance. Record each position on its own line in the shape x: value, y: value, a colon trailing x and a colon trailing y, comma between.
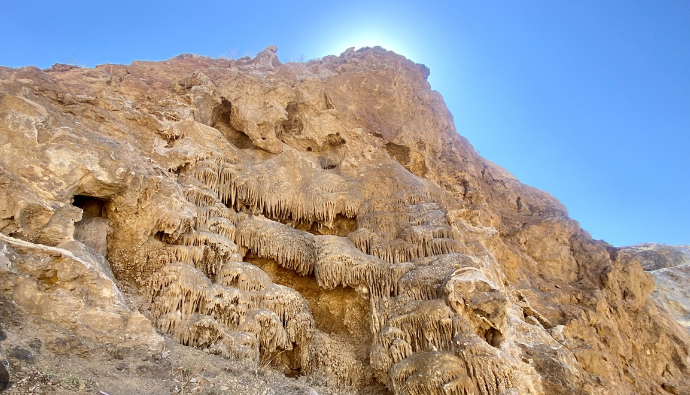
x: 323, y: 218
x: 670, y: 267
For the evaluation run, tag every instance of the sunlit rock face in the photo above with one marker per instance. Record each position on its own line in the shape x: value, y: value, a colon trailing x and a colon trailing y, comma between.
x: 323, y: 217
x: 670, y: 266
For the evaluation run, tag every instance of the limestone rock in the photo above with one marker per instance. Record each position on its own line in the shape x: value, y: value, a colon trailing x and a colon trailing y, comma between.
x: 323, y: 218
x: 670, y: 266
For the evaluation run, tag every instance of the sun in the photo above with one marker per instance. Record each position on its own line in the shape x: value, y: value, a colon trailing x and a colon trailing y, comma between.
x: 372, y: 36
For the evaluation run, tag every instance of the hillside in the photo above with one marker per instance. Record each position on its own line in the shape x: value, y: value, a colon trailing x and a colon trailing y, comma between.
x: 323, y: 219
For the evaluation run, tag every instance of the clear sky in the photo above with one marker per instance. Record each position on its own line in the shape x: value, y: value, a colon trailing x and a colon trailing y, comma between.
x: 588, y: 100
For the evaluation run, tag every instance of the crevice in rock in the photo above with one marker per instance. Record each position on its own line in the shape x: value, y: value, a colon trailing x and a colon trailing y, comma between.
x: 327, y: 163
x: 491, y: 335
x: 341, y: 312
x: 403, y: 155
x: 94, y: 227
x: 221, y: 120
x: 329, y: 105
x: 341, y: 226
x: 92, y: 206
x: 400, y: 153
x: 293, y: 125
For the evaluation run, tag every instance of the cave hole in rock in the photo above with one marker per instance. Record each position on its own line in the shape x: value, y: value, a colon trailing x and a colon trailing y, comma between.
x: 328, y: 163
x: 491, y: 335
x: 221, y: 120
x: 92, y: 206
x: 341, y: 313
x: 330, y: 154
x: 342, y: 226
x: 159, y: 236
x: 334, y: 140
x: 94, y: 227
x: 293, y: 125
x: 329, y: 104
x: 400, y: 153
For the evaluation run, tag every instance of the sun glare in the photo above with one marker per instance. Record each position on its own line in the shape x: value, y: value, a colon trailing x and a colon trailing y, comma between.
x: 371, y: 38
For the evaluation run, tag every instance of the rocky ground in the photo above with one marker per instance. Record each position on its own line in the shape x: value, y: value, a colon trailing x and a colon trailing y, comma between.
x: 42, y: 358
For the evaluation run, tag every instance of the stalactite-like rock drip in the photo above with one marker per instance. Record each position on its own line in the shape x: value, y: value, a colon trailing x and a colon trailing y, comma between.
x: 398, y: 232
x: 216, y: 219
x: 209, y: 243
x: 204, y: 214
x: 204, y: 332
x: 333, y: 362
x: 428, y: 323
x: 287, y: 187
x: 174, y: 222
x: 204, y: 257
x: 200, y: 196
x: 293, y: 311
x: 224, y: 316
x: 218, y: 250
x: 340, y: 263
x: 244, y: 276
x: 243, y: 303
x: 356, y: 145
x: 418, y: 320
x: 432, y: 373
x: 292, y: 249
x: 193, y: 255
x: 175, y: 217
x: 472, y: 367
x: 491, y: 373
x: 392, y: 345
x: 177, y: 288
x: 207, y: 172
x: 267, y: 327
x: 469, y: 292
x: 427, y: 276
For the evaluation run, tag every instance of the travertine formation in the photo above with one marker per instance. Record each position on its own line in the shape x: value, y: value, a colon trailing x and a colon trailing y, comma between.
x: 670, y: 266
x: 322, y: 217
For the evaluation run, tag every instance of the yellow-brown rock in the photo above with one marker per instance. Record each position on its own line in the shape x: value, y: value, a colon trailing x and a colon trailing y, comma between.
x: 322, y: 217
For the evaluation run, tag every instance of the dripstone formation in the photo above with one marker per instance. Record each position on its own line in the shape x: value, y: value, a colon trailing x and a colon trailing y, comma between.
x: 324, y: 218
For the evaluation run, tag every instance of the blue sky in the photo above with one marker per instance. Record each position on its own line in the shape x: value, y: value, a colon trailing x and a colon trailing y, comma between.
x: 588, y: 100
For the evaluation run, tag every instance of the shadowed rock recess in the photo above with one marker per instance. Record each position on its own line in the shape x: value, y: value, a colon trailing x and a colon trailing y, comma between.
x: 324, y: 218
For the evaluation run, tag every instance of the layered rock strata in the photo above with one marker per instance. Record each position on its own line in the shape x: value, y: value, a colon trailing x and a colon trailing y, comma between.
x: 324, y: 217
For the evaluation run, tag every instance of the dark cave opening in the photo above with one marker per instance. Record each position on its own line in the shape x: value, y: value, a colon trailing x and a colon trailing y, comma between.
x: 94, y: 226
x: 491, y: 335
x: 398, y: 152
x: 221, y: 119
x: 92, y: 206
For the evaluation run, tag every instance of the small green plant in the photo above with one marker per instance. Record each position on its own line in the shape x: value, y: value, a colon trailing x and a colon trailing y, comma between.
x: 193, y: 362
x: 74, y: 379
x: 45, y: 370
x: 191, y: 365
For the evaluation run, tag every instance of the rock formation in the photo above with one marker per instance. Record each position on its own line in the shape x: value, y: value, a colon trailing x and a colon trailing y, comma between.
x: 324, y: 218
x: 670, y: 266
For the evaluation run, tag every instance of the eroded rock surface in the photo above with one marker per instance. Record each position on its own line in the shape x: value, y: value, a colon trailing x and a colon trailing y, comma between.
x: 324, y: 218
x: 670, y: 266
